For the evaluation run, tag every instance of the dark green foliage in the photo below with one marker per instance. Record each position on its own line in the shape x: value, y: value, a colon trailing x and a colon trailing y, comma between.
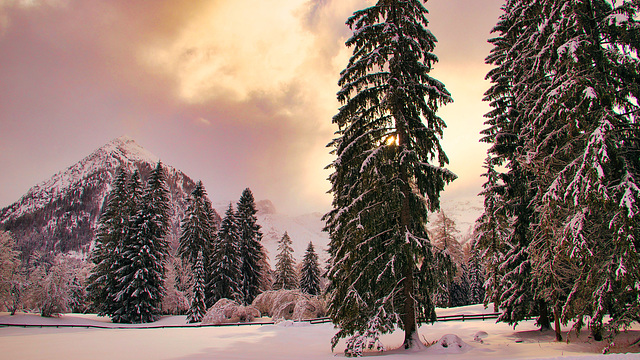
x: 460, y: 289
x: 198, y: 308
x: 387, y: 175
x: 310, y: 272
x: 198, y: 232
x: 251, y: 250
x: 491, y: 231
x: 508, y: 195
x: 285, y: 276
x: 226, y: 278
x: 141, y: 275
x: 564, y: 125
x: 112, y: 232
x: 475, y: 274
x: 197, y: 228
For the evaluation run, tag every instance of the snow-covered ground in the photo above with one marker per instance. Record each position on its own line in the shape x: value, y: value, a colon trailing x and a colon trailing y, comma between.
x: 289, y: 340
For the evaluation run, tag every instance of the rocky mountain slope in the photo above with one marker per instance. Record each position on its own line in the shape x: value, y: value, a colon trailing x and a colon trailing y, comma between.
x: 61, y: 213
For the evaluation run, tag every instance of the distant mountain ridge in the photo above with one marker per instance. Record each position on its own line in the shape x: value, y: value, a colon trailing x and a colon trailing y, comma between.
x: 61, y: 213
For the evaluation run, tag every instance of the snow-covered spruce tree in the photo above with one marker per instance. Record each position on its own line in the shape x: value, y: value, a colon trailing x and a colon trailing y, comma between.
x: 112, y: 230
x: 198, y: 232
x: 577, y: 98
x: 387, y: 175
x: 510, y: 285
x: 491, y: 232
x: 251, y: 249
x: 145, y: 251
x: 226, y: 277
x: 310, y: 272
x: 285, y: 276
x: 197, y: 227
x: 198, y: 309
x: 475, y: 274
x: 586, y: 134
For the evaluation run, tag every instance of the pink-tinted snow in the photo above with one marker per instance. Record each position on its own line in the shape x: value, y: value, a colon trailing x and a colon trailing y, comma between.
x: 289, y: 340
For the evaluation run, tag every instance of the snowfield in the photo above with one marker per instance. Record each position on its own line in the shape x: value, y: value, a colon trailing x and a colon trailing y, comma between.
x: 289, y: 340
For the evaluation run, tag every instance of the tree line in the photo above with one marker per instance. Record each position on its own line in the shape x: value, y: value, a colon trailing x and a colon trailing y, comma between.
x: 559, y: 233
x: 133, y: 275
x: 560, y: 225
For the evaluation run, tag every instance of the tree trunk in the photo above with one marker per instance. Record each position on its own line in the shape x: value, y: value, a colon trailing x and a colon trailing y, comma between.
x: 410, y: 326
x: 596, y: 329
x: 556, y: 320
x: 409, y: 321
x: 543, y: 319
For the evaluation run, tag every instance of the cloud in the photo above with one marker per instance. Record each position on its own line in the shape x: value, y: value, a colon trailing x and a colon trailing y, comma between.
x: 233, y: 49
x: 203, y: 121
x: 238, y: 93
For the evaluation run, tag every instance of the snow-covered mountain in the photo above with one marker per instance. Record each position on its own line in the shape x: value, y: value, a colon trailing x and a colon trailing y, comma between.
x: 61, y: 213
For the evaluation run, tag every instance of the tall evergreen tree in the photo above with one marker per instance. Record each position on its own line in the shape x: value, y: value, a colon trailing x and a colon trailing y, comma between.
x: 226, y: 277
x: 110, y: 236
x: 388, y: 174
x: 460, y: 288
x: 591, y: 153
x: 475, y: 274
x: 574, y: 83
x: 310, y: 272
x: 285, y: 276
x: 491, y: 232
x: 251, y: 250
x: 511, y: 286
x: 141, y: 276
x: 197, y: 227
x: 198, y: 232
x: 135, y: 192
x: 198, y: 308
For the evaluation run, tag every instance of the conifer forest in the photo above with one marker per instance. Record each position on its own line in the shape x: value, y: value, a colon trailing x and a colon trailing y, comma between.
x: 556, y: 243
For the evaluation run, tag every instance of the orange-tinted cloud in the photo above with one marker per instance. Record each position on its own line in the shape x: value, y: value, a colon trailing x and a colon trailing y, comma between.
x: 259, y: 75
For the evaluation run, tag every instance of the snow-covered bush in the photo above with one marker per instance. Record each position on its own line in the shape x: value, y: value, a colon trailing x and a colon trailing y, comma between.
x: 12, y: 281
x: 177, y: 294
x: 174, y: 302
x: 290, y: 305
x: 50, y: 290
x: 56, y: 285
x: 228, y: 311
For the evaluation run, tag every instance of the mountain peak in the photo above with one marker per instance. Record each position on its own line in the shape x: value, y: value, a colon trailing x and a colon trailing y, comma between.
x: 122, y: 151
x: 61, y: 213
x: 125, y: 146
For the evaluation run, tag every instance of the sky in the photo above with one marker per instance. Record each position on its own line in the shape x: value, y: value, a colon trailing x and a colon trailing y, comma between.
x: 236, y: 93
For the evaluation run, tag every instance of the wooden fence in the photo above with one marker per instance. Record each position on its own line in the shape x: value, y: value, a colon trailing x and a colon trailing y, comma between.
x: 462, y: 317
